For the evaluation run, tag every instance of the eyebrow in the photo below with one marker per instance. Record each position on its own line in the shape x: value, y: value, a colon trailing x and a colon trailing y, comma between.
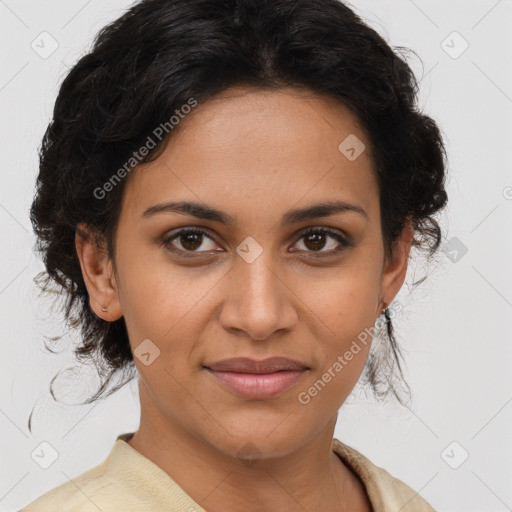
x: 206, y: 212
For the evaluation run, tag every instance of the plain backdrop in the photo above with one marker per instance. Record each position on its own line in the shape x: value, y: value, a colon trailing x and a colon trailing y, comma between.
x: 453, y: 443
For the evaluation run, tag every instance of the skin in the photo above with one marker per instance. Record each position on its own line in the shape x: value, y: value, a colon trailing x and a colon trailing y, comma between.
x: 255, y: 155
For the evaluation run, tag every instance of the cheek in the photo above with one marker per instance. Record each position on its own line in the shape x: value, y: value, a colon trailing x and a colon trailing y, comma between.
x: 157, y: 295
x: 346, y: 310
x: 343, y: 356
x: 346, y: 299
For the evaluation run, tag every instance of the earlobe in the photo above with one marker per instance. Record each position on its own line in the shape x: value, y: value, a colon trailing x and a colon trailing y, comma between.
x: 395, y: 270
x: 98, y: 275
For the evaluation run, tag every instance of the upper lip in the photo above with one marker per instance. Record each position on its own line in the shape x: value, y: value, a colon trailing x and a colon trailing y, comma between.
x: 248, y: 365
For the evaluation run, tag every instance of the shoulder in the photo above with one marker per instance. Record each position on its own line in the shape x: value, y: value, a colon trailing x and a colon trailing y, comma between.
x: 79, y: 494
x: 384, y: 490
x: 108, y: 487
x: 125, y: 481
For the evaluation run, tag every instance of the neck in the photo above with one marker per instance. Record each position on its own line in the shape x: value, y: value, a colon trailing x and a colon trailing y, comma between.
x: 296, y: 481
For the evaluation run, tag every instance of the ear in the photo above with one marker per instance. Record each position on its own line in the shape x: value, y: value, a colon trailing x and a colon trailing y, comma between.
x: 395, y: 269
x: 98, y: 275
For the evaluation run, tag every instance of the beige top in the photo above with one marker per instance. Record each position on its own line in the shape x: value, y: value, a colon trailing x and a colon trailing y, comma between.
x: 129, y: 482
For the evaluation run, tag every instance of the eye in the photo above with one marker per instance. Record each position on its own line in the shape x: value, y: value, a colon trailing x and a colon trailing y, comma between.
x: 315, y: 239
x: 190, y: 240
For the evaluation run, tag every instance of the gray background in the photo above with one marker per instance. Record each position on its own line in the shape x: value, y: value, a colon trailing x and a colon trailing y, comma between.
x: 455, y: 328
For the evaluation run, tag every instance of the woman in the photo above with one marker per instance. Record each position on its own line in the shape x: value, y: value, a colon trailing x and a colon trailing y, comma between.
x: 229, y: 192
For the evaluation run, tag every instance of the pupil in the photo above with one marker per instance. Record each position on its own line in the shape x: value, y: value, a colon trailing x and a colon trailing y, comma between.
x: 196, y: 239
x: 317, y: 240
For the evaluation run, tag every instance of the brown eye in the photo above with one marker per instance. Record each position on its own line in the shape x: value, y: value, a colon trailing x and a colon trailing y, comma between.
x: 316, y: 239
x: 190, y: 241
x: 187, y: 242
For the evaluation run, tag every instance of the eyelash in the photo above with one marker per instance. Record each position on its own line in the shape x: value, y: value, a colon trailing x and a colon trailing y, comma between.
x: 199, y: 231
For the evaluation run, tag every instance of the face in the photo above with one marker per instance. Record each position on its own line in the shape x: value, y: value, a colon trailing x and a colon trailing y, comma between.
x: 252, y: 280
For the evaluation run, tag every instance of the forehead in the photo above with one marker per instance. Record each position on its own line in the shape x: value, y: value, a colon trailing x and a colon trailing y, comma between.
x: 260, y: 150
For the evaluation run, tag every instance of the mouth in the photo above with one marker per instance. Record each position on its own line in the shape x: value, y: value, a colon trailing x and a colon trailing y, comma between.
x: 257, y: 380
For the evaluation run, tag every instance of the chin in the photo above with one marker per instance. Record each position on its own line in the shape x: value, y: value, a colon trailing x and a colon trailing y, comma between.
x: 260, y: 440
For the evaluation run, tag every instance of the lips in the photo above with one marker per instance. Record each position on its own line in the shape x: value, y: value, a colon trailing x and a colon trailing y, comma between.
x: 247, y: 365
x: 257, y: 380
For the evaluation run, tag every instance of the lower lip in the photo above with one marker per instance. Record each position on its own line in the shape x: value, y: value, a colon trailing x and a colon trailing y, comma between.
x: 258, y: 386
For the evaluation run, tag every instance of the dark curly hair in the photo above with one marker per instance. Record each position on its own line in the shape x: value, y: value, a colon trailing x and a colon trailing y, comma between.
x: 149, y: 62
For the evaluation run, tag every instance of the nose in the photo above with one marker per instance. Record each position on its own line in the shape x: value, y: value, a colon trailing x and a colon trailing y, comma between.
x: 258, y: 300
